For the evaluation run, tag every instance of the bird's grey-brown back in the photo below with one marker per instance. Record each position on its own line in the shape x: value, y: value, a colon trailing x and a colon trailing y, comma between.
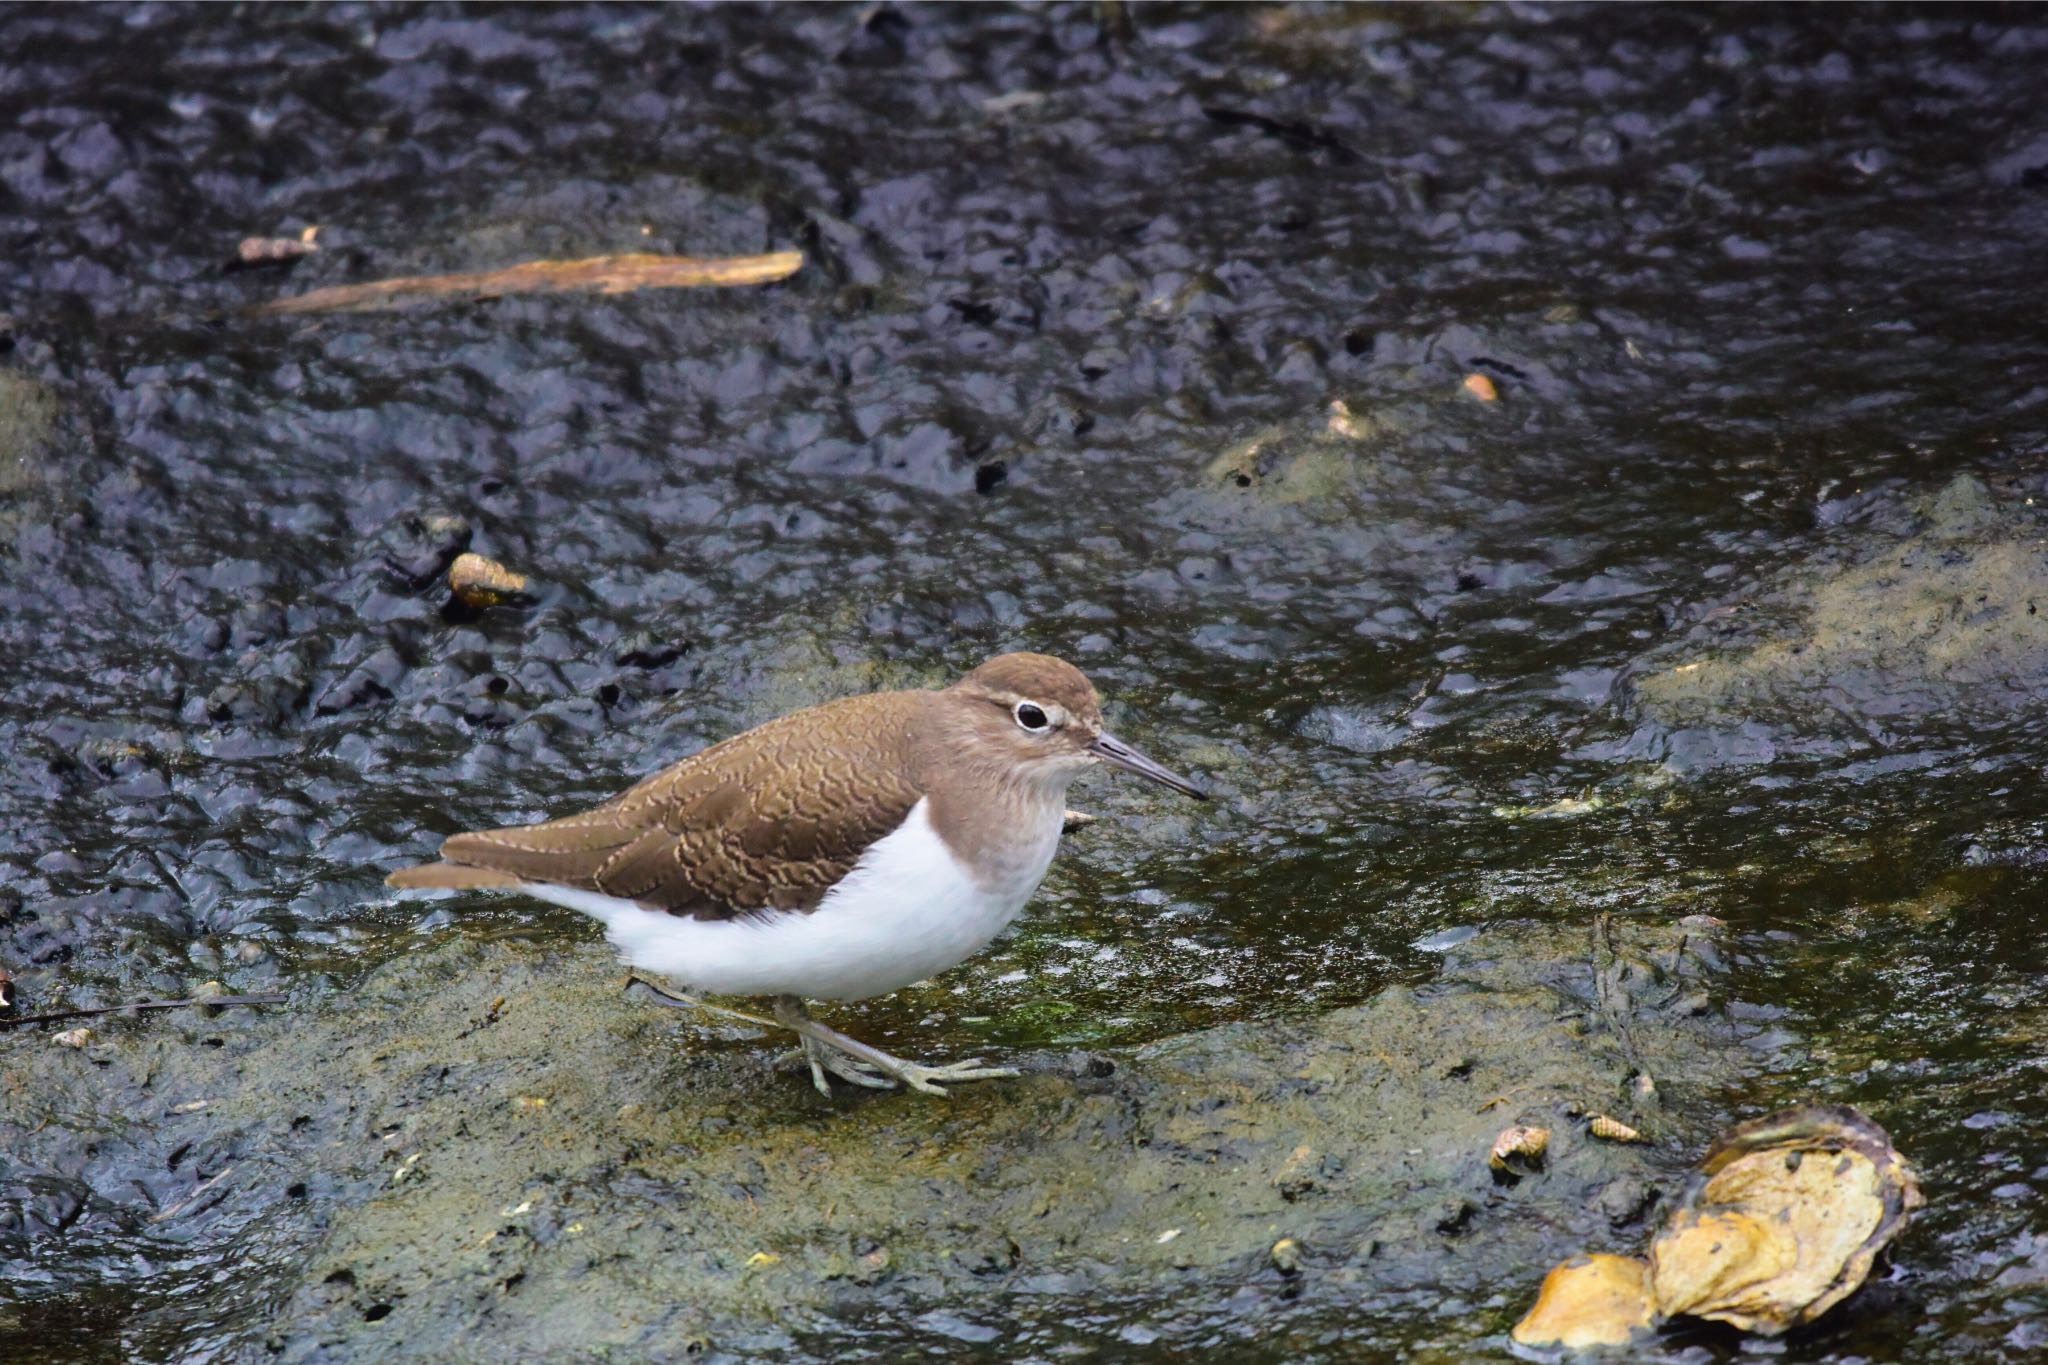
x: 769, y: 819
x: 774, y: 817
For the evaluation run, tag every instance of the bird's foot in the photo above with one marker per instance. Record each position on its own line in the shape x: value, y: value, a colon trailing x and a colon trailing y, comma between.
x: 934, y: 1079
x: 828, y: 1050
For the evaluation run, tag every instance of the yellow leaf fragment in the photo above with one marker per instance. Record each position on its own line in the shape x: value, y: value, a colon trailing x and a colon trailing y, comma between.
x: 1588, y: 1301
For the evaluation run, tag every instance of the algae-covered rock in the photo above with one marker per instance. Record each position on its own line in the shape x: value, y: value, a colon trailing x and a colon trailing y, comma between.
x: 1940, y: 616
x: 1312, y: 460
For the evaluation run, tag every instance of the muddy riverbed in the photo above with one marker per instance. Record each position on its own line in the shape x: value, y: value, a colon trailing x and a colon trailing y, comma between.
x: 1141, y: 336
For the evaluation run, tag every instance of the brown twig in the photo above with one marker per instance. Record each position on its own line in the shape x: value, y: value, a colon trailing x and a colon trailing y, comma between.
x: 593, y: 275
x: 271, y: 998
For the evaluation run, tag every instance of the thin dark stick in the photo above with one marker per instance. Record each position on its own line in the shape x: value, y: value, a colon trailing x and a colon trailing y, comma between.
x: 268, y: 999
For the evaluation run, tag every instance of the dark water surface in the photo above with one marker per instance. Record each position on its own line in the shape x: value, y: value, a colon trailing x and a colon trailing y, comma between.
x: 1753, y: 286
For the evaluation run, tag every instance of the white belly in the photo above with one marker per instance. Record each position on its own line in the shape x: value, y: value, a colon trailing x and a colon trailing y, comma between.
x: 908, y: 910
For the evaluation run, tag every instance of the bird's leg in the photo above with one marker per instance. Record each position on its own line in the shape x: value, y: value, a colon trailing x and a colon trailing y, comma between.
x: 823, y: 1059
x: 820, y: 1043
x: 678, y: 1001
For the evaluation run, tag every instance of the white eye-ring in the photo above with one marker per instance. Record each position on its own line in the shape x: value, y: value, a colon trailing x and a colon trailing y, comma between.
x: 1031, y: 716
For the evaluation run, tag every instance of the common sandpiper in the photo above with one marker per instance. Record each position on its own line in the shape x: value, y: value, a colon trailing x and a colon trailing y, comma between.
x: 836, y: 853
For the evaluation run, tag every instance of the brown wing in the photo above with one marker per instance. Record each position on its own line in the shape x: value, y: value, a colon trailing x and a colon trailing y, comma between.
x: 770, y: 818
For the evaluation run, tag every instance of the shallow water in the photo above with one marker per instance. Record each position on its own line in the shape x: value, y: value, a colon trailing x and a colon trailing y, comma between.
x: 1752, y: 285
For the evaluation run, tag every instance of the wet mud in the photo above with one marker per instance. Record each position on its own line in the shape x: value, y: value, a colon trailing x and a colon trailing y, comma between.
x: 492, y: 1146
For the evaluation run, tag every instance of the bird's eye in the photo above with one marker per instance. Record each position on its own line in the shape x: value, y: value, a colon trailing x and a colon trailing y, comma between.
x: 1031, y: 717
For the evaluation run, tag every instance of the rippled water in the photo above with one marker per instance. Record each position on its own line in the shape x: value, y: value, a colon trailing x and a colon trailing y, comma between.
x: 1058, y: 374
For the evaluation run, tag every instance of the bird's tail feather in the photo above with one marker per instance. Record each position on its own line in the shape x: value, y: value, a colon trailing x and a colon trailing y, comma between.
x: 449, y: 876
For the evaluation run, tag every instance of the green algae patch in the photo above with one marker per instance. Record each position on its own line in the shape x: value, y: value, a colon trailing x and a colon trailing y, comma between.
x: 1316, y: 460
x: 28, y: 413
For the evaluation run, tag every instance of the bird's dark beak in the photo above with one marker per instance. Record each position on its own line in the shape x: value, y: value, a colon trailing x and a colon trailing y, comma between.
x: 1114, y: 751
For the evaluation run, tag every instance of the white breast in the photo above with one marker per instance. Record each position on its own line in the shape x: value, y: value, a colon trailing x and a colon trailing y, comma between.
x: 907, y: 910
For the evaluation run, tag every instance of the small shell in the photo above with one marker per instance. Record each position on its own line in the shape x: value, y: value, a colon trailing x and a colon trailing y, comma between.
x: 265, y: 250
x: 1614, y: 1130
x: 1343, y: 422
x: 478, y: 582
x: 72, y: 1037
x: 1286, y: 1254
x: 1482, y: 388
x: 1521, y: 1146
